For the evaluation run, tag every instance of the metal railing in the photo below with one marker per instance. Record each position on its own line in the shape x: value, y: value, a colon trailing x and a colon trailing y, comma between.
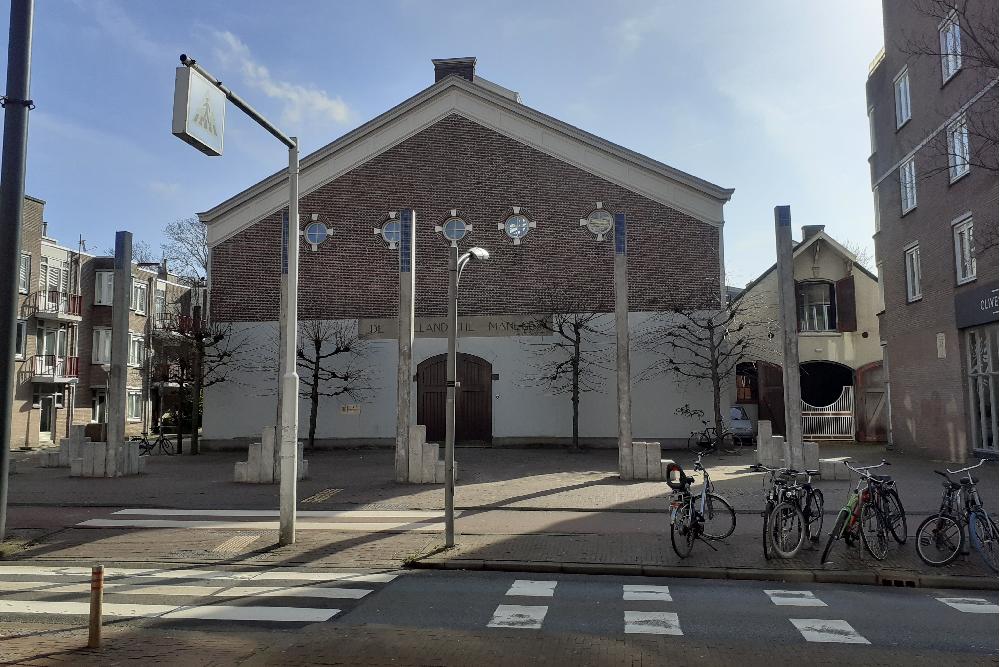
x: 56, y: 366
x: 830, y: 422
x: 55, y: 302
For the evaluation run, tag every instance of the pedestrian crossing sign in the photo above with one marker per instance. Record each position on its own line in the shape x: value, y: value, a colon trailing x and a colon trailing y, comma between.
x: 199, y: 111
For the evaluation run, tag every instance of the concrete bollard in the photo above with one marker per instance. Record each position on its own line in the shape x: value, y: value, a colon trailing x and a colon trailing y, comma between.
x: 96, y: 606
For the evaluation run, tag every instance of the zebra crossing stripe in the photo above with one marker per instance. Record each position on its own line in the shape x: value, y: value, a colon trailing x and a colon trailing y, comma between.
x: 795, y: 598
x: 646, y: 592
x: 827, y: 631
x: 971, y: 605
x: 169, y: 612
x: 181, y: 590
x: 529, y: 588
x: 518, y: 616
x: 230, y: 575
x: 652, y: 623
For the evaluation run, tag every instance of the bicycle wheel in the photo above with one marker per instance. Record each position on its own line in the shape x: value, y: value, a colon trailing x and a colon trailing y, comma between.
x: 940, y: 539
x: 838, y: 528
x: 167, y: 447
x: 682, y: 531
x: 719, y: 518
x: 874, y: 534
x: 768, y: 508
x: 786, y: 529
x: 814, y: 515
x: 983, y: 531
x: 894, y: 514
x: 694, y: 442
x: 732, y: 444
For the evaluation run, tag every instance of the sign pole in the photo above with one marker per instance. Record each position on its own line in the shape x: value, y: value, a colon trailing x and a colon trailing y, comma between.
x: 450, y: 379
x: 15, y: 147
x: 290, y: 380
x: 625, y: 459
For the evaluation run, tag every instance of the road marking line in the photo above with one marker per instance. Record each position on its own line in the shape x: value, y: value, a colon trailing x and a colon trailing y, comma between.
x: 189, y: 591
x: 826, y: 630
x: 170, y: 612
x: 652, y: 623
x: 310, y: 514
x: 262, y: 575
x: 530, y: 588
x: 518, y: 616
x: 395, y: 527
x: 795, y: 598
x: 646, y: 592
x: 322, y: 496
x: 971, y: 605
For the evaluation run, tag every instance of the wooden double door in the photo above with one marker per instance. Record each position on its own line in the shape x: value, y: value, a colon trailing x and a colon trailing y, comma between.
x: 474, y: 403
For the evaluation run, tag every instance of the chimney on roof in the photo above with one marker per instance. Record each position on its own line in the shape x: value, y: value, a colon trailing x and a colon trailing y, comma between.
x: 811, y: 230
x: 463, y: 67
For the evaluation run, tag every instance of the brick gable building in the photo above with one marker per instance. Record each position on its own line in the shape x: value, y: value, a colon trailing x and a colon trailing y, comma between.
x: 466, y: 148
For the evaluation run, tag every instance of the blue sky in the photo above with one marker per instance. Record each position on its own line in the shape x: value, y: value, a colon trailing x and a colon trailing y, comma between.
x: 766, y: 97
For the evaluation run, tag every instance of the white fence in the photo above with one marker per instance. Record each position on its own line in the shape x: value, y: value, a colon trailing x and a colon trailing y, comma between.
x: 830, y: 422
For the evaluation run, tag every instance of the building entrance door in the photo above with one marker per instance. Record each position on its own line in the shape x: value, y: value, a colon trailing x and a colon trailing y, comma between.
x: 474, y: 404
x: 47, y: 418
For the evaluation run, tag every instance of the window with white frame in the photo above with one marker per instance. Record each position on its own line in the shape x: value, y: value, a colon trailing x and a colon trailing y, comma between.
x: 878, y: 215
x: 902, y: 86
x: 24, y: 273
x: 817, y: 307
x: 958, y: 148
x: 20, y: 338
x: 134, y: 405
x: 138, y: 303
x: 908, y: 186
x: 912, y: 256
x: 104, y: 288
x: 871, y: 127
x: 965, y: 252
x: 101, y: 352
x: 136, y: 349
x: 950, y: 34
x: 98, y: 405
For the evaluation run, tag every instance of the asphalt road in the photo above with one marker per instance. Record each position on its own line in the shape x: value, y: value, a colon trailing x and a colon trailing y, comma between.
x: 492, y: 618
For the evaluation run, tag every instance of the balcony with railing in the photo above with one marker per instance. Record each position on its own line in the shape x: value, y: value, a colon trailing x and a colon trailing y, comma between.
x: 54, y: 368
x: 171, y: 323
x: 56, y: 305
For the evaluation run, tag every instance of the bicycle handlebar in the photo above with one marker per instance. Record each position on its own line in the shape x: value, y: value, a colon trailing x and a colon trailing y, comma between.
x: 861, y: 469
x: 955, y: 472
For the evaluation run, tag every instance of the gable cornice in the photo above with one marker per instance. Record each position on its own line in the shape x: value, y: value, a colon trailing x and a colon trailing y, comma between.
x: 453, y: 95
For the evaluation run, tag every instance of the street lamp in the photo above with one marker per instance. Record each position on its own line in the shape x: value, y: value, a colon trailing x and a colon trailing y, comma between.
x: 455, y: 266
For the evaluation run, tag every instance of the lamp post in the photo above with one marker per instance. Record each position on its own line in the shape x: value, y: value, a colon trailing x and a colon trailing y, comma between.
x: 455, y: 266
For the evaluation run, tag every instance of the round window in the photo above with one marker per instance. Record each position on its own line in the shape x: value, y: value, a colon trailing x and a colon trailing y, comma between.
x: 390, y: 231
x: 517, y: 226
x: 315, y: 233
x: 599, y: 222
x: 455, y: 229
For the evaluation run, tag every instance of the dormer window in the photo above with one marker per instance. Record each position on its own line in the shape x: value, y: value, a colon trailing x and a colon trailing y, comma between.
x: 817, y: 306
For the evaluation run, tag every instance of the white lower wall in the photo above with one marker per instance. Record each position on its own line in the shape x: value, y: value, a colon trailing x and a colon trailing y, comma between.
x: 247, y: 402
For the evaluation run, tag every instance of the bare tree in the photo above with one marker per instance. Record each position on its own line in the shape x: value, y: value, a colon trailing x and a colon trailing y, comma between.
x: 186, y: 247
x: 573, y: 358
x: 333, y: 359
x: 201, y: 354
x: 862, y: 254
x: 977, y: 45
x: 141, y: 253
x: 705, y: 345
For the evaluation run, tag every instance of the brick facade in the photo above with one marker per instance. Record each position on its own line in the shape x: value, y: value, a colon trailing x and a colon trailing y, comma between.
x: 929, y: 392
x: 459, y: 164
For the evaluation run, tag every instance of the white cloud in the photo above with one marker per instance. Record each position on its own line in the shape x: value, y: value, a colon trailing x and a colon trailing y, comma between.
x: 123, y: 29
x: 302, y: 103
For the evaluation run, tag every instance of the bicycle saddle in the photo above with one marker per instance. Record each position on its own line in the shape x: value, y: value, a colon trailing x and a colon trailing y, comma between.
x: 975, y: 480
x: 812, y: 472
x: 951, y: 485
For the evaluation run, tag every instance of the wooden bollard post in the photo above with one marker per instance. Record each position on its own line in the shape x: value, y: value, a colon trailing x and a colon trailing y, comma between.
x: 96, y: 603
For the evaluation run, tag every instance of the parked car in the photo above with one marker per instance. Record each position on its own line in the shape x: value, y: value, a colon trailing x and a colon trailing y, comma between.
x: 740, y: 424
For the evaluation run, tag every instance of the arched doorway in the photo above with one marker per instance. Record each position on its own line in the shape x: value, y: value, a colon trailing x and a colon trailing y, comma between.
x: 827, y: 400
x: 474, y: 404
x: 823, y: 381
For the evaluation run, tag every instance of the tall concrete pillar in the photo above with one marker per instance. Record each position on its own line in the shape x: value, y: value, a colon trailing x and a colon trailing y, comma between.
x: 404, y: 372
x: 119, y: 337
x: 282, y: 305
x: 790, y: 334
x: 625, y: 464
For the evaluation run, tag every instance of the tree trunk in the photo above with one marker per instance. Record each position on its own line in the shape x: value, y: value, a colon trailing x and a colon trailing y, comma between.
x: 716, y: 388
x: 576, y: 391
x: 199, y: 351
x: 314, y: 394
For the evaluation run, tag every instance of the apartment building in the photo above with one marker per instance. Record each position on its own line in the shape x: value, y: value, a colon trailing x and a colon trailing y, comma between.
x: 932, y: 107
x: 63, y: 337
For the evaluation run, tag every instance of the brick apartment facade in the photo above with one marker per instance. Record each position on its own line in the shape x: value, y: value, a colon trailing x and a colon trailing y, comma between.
x: 934, y: 188
x: 467, y: 148
x: 64, y: 313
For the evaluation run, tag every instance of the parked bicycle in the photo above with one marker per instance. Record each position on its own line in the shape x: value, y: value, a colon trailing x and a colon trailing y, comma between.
x: 873, y: 512
x: 706, y: 442
x: 706, y: 516
x: 793, y: 512
x: 941, y: 537
x: 161, y: 444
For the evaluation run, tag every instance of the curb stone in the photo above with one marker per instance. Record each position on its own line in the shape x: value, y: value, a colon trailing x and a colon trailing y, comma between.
x: 860, y: 577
